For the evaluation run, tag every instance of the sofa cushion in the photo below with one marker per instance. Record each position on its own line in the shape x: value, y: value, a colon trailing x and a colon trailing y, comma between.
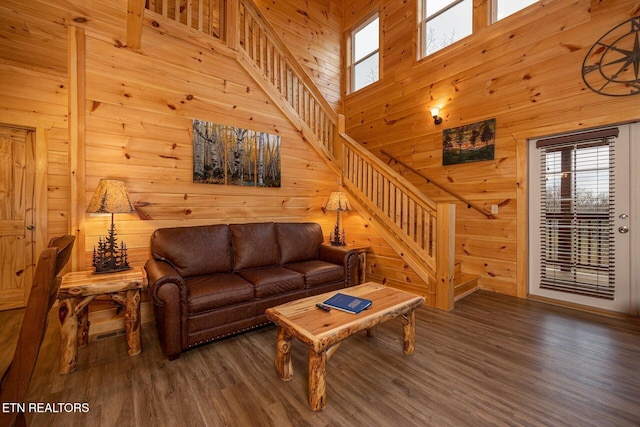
x: 318, y: 272
x: 298, y: 241
x: 194, y: 251
x: 273, y: 280
x: 254, y: 245
x: 218, y: 290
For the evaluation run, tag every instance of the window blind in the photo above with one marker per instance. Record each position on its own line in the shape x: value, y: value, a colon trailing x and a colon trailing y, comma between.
x: 577, y: 213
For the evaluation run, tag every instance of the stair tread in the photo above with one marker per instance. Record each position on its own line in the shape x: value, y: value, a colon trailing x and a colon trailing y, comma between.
x: 464, y: 278
x: 464, y: 284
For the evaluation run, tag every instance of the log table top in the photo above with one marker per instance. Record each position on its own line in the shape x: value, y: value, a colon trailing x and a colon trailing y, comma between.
x: 84, y: 283
x: 323, y: 331
x: 320, y: 329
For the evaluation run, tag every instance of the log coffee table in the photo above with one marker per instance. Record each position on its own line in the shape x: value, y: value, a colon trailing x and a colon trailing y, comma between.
x: 323, y: 331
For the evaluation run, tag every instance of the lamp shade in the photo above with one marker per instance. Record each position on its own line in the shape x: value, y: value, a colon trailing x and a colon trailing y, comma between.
x: 338, y: 202
x: 110, y: 197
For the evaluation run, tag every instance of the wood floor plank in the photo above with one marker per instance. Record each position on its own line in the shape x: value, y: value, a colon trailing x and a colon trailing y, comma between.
x: 493, y: 361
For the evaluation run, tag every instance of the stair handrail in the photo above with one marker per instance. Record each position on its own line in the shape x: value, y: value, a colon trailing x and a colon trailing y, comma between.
x: 416, y: 218
x: 427, y: 231
x: 410, y: 188
x: 468, y: 203
x: 400, y: 207
x: 261, y: 43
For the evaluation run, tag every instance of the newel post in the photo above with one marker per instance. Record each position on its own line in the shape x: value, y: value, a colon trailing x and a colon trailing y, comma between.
x: 445, y: 255
x: 232, y: 24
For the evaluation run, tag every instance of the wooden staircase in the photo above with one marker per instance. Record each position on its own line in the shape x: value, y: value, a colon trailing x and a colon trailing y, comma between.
x: 420, y: 230
x: 463, y: 283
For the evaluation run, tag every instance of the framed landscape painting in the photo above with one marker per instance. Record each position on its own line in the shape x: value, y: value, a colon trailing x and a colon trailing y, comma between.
x: 469, y: 143
x: 231, y: 155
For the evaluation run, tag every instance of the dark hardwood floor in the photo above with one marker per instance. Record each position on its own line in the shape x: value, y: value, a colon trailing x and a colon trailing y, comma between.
x: 493, y: 361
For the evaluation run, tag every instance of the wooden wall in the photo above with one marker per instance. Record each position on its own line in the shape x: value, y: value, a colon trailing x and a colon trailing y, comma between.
x: 134, y: 122
x: 34, y: 87
x: 525, y: 72
x: 312, y: 30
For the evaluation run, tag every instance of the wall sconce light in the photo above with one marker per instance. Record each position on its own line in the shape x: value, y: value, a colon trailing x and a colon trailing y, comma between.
x: 110, y: 197
x: 436, y: 119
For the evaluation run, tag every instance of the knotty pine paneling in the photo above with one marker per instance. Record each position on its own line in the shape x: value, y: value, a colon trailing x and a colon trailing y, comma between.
x: 33, y: 36
x: 138, y: 112
x: 128, y: 96
x: 35, y: 97
x: 525, y: 71
x: 312, y: 31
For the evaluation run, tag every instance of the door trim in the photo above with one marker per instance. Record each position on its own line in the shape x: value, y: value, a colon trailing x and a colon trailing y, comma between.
x: 40, y: 199
x: 634, y: 223
x: 632, y: 289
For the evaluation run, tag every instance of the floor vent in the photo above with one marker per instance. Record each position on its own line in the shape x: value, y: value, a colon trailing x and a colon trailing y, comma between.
x: 107, y: 335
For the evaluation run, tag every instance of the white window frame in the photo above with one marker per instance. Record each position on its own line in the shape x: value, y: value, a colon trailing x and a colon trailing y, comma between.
x: 352, y: 63
x: 494, y: 11
x: 488, y: 9
x: 422, y: 25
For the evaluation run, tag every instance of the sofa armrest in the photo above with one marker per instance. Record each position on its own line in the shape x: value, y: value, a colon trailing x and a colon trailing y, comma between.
x: 160, y: 273
x: 348, y: 258
x: 169, y: 294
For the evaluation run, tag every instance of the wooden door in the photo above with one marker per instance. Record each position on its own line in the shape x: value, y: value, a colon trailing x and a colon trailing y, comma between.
x: 17, y: 162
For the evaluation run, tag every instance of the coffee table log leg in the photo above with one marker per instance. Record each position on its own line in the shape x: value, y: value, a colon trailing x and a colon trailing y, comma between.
x: 82, y: 318
x: 284, y: 367
x: 408, y: 332
x: 332, y: 350
x: 68, y: 335
x: 132, y: 322
x: 317, y: 374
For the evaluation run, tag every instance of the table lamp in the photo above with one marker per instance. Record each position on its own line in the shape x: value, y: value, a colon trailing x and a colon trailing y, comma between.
x: 110, y: 197
x: 338, y: 202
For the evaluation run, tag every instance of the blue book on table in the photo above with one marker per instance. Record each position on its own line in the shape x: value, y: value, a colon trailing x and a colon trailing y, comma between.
x: 348, y: 303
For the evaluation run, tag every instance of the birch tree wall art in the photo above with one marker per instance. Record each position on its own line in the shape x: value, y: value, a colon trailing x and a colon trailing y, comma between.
x: 230, y: 155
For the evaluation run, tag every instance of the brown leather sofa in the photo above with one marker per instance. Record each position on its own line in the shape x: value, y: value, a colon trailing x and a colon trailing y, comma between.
x: 208, y: 282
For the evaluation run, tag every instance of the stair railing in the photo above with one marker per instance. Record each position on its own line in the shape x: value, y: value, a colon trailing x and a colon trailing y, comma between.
x: 422, y: 231
x: 425, y: 228
x: 468, y: 203
x: 259, y: 41
x: 201, y: 15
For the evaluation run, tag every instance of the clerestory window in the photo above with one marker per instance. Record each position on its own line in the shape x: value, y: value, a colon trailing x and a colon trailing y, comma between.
x: 364, y: 58
x: 504, y: 8
x: 444, y: 22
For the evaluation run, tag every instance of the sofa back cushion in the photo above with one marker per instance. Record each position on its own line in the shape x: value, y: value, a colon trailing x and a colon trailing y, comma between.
x: 194, y: 251
x: 254, y: 245
x: 298, y: 241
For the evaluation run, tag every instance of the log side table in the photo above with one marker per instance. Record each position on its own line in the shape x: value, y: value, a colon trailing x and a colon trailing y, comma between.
x: 362, y: 251
x: 77, y: 290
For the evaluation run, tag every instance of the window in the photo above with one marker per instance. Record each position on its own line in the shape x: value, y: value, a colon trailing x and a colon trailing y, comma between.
x: 504, y: 8
x: 365, y: 57
x: 443, y: 22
